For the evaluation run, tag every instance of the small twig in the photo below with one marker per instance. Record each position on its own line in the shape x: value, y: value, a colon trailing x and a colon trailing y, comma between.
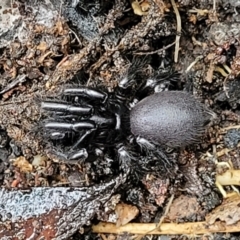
x: 60, y: 184
x: 214, y: 5
x: 168, y: 228
x: 60, y: 10
x: 76, y: 36
x: 179, y: 29
x: 229, y: 127
x: 11, y: 103
x: 18, y: 80
x: 165, y: 213
x: 193, y: 63
x: 157, y: 51
x: 225, y: 88
x: 158, y: 227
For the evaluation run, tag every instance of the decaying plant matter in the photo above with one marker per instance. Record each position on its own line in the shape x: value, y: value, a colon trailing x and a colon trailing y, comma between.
x: 49, y: 46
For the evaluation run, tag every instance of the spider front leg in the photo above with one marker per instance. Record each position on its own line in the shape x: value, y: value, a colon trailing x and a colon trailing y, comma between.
x: 62, y: 127
x: 86, y: 92
x: 58, y: 130
x: 66, y: 108
x: 72, y: 157
x: 85, y: 118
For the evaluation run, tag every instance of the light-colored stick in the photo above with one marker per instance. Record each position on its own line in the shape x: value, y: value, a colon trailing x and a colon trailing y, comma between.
x: 193, y: 228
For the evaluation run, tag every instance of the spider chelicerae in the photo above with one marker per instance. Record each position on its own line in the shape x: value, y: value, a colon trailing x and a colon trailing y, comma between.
x: 88, y: 120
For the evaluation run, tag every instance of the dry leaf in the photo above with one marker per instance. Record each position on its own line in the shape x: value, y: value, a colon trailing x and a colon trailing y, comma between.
x: 22, y: 164
x: 125, y: 213
x: 42, y: 58
x: 157, y: 187
x: 183, y: 207
x: 137, y: 8
x: 42, y: 46
x: 228, y: 211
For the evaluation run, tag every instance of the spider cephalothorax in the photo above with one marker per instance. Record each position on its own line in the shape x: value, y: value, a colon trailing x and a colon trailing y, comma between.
x: 88, y: 119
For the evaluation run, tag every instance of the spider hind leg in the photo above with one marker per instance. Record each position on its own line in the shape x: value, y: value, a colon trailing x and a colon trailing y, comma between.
x: 156, y: 151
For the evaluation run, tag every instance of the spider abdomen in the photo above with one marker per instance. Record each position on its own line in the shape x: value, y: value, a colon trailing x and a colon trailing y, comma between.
x: 174, y: 119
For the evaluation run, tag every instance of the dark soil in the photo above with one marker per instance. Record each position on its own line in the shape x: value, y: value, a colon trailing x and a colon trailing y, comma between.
x: 47, y: 45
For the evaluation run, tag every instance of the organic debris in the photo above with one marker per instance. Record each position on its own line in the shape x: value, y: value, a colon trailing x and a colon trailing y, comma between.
x: 46, y: 45
x: 52, y: 213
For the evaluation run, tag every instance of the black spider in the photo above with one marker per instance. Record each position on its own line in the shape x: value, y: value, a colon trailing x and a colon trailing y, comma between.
x: 89, y: 120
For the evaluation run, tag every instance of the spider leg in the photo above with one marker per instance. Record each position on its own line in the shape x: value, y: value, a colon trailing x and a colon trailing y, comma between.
x: 60, y: 132
x: 80, y: 154
x: 56, y: 135
x: 72, y: 157
x: 158, y: 83
x: 81, y: 139
x: 66, y: 108
x: 125, y: 158
x: 130, y: 78
x: 103, y: 120
x: 148, y: 146
x: 76, y: 127
x: 92, y: 94
x: 66, y: 127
